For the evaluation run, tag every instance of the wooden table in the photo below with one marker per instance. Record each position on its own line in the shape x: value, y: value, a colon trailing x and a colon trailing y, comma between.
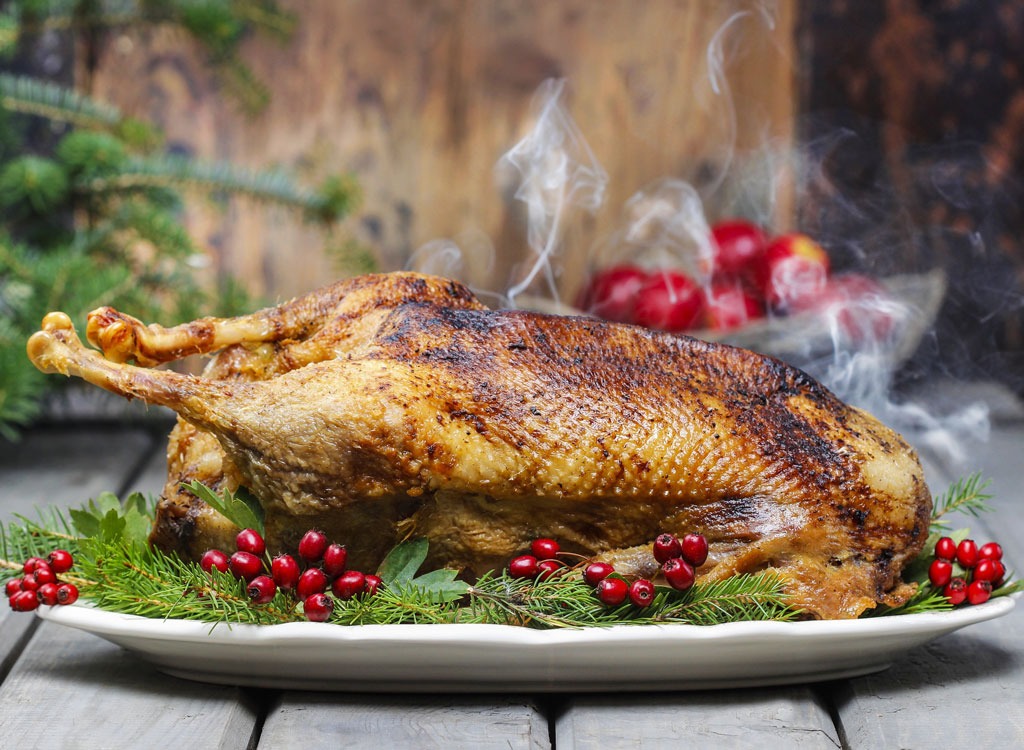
x: 65, y: 689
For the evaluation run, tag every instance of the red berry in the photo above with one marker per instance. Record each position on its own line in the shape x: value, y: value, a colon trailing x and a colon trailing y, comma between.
x: 335, y: 559
x: 372, y: 584
x: 44, y: 574
x: 548, y: 568
x: 940, y: 572
x: 679, y: 574
x: 214, y: 558
x: 641, y: 592
x: 249, y: 540
x: 47, y: 594
x: 524, y: 566
x: 312, y: 581
x: 61, y: 561
x: 737, y: 244
x: 669, y: 301
x: 29, y: 582
x: 245, y: 565
x: 13, y: 587
x: 666, y: 546
x: 544, y: 549
x: 597, y: 572
x: 285, y: 572
x: 945, y: 549
x: 978, y: 592
x: 67, y: 593
x: 348, y: 584
x: 988, y: 570
x: 24, y: 601
x: 612, y: 591
x: 955, y: 591
x: 990, y: 551
x: 695, y: 549
x: 967, y: 553
x: 317, y: 607
x: 312, y: 546
x: 611, y: 293
x: 261, y: 589
x: 31, y: 564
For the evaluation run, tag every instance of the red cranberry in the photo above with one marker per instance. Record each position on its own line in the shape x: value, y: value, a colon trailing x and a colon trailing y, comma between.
x: 940, y: 572
x: 67, y: 593
x: 24, y: 601
x: 13, y: 587
x: 548, y: 568
x: 524, y: 566
x: 31, y: 564
x: 312, y: 581
x: 679, y: 574
x: 641, y: 592
x: 544, y: 549
x: 695, y: 549
x: 261, y: 589
x: 967, y: 553
x: 47, y: 594
x: 249, y: 540
x: 990, y: 551
x: 61, y: 561
x: 666, y: 546
x: 612, y: 591
x: 335, y: 559
x: 955, y: 591
x: 597, y: 572
x: 945, y: 549
x: 214, y: 558
x: 317, y: 607
x: 312, y: 546
x: 285, y: 572
x: 372, y: 584
x: 978, y: 592
x: 348, y: 584
x: 245, y: 565
x: 988, y: 570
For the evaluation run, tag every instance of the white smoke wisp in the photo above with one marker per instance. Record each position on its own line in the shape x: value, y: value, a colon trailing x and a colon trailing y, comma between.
x: 557, y: 172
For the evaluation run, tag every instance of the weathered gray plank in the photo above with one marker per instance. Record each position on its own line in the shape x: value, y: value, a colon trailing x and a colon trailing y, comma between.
x: 967, y: 687
x: 308, y: 721
x: 717, y: 720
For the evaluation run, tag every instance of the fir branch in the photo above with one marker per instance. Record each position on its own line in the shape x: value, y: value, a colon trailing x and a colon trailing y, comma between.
x: 966, y: 495
x: 31, y: 96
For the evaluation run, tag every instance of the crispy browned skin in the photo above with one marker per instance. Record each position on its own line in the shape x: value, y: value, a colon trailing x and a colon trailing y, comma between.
x: 482, y: 429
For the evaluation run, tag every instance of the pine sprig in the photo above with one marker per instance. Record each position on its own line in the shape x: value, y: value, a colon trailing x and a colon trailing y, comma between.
x: 966, y: 495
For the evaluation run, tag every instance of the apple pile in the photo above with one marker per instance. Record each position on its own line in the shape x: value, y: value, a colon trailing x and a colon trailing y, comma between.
x: 752, y: 275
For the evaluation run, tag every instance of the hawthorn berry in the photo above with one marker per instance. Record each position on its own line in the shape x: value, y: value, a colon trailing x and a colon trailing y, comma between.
x: 249, y: 540
x: 988, y: 570
x: 641, y: 592
x: 312, y: 581
x: 245, y: 565
x: 990, y: 551
x: 24, y: 601
x: 261, y: 589
x: 596, y: 572
x: 666, y: 546
x: 335, y: 560
x: 317, y: 607
x: 945, y: 549
x: 695, y: 549
x: 312, y: 546
x: 67, y: 593
x: 371, y: 584
x: 978, y: 592
x: 955, y: 591
x: 285, y: 572
x: 967, y: 553
x: 61, y: 561
x: 348, y: 584
x: 679, y: 574
x: 31, y: 564
x: 548, y: 568
x: 940, y: 572
x: 12, y: 587
x: 29, y: 582
x: 544, y: 548
x: 44, y: 574
x: 47, y: 594
x: 612, y: 591
x: 524, y: 566
x: 214, y: 558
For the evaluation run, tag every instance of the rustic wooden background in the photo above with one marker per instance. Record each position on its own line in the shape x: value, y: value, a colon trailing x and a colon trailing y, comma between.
x: 897, y: 126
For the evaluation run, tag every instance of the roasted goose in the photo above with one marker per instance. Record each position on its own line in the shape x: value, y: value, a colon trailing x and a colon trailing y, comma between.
x: 396, y: 405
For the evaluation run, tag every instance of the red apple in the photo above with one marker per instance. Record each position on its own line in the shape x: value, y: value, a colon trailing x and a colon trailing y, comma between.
x: 792, y: 269
x: 611, y: 293
x: 730, y: 305
x: 860, y: 305
x: 669, y: 301
x: 738, y: 244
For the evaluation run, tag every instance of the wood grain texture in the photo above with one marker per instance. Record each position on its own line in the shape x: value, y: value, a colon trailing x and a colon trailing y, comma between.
x: 420, y: 100
x: 310, y: 721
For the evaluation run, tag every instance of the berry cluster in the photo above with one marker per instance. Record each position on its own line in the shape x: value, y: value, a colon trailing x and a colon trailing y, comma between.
x: 965, y: 571
x: 39, y: 583
x: 678, y: 558
x: 323, y: 565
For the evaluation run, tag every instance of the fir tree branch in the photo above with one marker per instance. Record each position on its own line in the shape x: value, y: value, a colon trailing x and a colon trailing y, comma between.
x: 44, y: 99
x: 966, y: 495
